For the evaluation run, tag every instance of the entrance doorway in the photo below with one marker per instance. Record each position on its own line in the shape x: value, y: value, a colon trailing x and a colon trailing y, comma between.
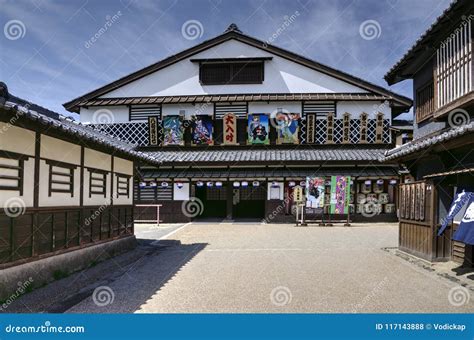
x: 248, y: 202
x: 214, y: 201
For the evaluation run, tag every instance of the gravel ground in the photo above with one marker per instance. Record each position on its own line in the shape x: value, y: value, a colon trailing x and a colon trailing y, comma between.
x: 251, y: 267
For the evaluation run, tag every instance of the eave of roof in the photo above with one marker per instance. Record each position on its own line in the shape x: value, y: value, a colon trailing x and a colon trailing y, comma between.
x: 426, y: 40
x: 73, y: 105
x: 420, y: 144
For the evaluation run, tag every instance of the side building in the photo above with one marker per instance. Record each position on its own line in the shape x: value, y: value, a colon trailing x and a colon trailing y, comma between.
x: 441, y: 157
x: 66, y: 194
x: 237, y: 124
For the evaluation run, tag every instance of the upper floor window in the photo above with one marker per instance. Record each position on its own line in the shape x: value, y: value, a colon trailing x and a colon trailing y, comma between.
x: 425, y: 104
x: 222, y: 73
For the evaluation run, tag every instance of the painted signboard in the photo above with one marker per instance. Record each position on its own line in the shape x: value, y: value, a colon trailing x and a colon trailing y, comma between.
x: 314, y: 192
x: 340, y: 194
x: 202, y: 129
x: 258, y: 129
x: 173, y: 132
x: 287, y: 127
x: 230, y: 129
x: 153, y: 131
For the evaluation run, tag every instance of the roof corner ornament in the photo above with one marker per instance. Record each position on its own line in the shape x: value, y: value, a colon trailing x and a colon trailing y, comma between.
x: 233, y: 28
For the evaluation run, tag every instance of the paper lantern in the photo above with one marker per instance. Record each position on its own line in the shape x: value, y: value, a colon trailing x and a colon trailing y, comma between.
x: 255, y: 183
x: 218, y: 184
x: 210, y: 184
x: 245, y: 184
x: 199, y: 184
x: 236, y: 184
x: 291, y: 184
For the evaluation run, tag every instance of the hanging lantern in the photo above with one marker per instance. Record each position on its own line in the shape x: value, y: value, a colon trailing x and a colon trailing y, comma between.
x: 219, y: 184
x: 142, y: 184
x: 368, y: 182
x: 178, y: 184
x: 380, y: 181
x: 291, y: 184
x: 153, y: 184
x: 210, y: 184
x: 236, y: 184
x: 199, y: 184
x: 393, y: 181
x: 275, y: 184
x: 163, y: 184
x: 303, y: 183
x: 245, y: 184
x: 255, y: 183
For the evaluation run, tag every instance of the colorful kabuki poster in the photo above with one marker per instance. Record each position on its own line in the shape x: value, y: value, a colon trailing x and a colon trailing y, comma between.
x: 340, y: 194
x: 314, y: 192
x: 230, y: 129
x: 287, y: 127
x: 173, y: 132
x: 258, y: 129
x: 202, y: 129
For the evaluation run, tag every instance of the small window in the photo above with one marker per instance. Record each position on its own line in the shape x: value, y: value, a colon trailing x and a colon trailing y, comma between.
x: 61, y: 178
x: 97, y: 182
x: 231, y: 73
x: 425, y: 104
x: 12, y: 171
x: 123, y: 185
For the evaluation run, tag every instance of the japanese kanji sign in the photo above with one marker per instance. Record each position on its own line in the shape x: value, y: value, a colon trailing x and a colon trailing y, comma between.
x: 230, y: 129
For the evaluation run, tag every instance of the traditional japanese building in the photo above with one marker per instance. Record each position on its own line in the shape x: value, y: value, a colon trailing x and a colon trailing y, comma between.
x: 237, y: 123
x: 441, y: 157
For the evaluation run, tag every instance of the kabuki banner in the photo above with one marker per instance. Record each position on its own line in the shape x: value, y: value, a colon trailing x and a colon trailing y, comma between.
x: 202, y: 129
x: 340, y: 194
x: 258, y: 129
x: 459, y: 201
x: 230, y: 129
x: 314, y: 192
x: 287, y: 127
x: 173, y: 132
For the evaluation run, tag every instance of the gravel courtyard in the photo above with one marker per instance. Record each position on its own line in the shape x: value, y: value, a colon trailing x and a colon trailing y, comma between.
x: 251, y: 267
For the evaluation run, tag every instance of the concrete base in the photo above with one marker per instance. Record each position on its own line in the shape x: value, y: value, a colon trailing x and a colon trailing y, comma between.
x: 15, y: 280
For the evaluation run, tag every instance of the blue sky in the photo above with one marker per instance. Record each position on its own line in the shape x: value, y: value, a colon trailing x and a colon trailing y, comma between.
x: 47, y: 60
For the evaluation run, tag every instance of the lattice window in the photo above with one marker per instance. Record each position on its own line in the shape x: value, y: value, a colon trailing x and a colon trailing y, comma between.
x: 12, y: 172
x: 123, y: 185
x: 61, y: 178
x: 142, y: 112
x: 386, y: 137
x: 321, y: 126
x: 338, y: 128
x: 97, y: 182
x: 355, y: 131
x: 132, y: 133
x: 371, y: 131
x: 320, y: 109
x: 164, y: 193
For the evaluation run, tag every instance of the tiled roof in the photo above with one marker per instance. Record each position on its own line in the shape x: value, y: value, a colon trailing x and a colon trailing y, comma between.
x: 423, y: 143
x: 269, y: 172
x: 270, y: 155
x: 232, y: 98
x: 74, y: 129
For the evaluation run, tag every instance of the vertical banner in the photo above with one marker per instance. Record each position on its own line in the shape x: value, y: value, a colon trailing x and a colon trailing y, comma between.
x: 310, y: 128
x: 314, y: 192
x: 229, y: 129
x: 173, y: 132
x: 202, y: 130
x: 465, y: 231
x: 153, y: 131
x: 258, y: 129
x: 459, y: 201
x: 363, y: 128
x: 340, y: 194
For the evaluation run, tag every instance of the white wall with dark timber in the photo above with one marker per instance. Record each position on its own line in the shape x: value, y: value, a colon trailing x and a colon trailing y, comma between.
x: 100, y: 161
x: 281, y: 76
x: 272, y: 107
x: 124, y: 167
x: 189, y: 109
x: 109, y: 114
x: 355, y: 108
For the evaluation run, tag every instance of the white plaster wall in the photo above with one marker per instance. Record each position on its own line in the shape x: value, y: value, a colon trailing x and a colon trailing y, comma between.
x: 190, y: 110
x: 16, y: 139
x: 59, y: 150
x: 57, y: 198
x: 123, y: 166
x: 104, y: 114
x: 28, y: 185
x: 355, y: 108
x: 281, y: 76
x: 97, y: 160
x: 181, y: 194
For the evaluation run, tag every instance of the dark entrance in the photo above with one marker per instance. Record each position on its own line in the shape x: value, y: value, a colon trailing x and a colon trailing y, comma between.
x: 249, y: 202
x: 214, y: 201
